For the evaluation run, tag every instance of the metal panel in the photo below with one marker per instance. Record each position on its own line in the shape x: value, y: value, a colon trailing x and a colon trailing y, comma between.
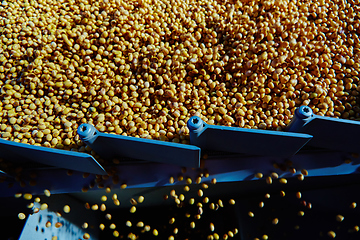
x: 329, y: 133
x: 247, y: 141
x: 110, y: 146
x: 225, y: 168
x: 71, y: 223
x: 23, y: 153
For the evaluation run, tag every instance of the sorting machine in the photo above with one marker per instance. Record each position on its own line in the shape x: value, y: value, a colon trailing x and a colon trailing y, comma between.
x: 325, y: 149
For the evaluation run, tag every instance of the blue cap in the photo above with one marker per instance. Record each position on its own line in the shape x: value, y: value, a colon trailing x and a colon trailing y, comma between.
x: 304, y: 112
x: 195, y: 123
x: 87, y: 132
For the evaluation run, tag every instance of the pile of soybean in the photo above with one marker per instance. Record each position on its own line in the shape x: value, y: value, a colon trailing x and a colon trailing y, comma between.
x: 143, y: 68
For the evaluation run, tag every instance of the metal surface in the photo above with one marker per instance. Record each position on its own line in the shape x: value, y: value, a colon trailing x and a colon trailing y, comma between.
x: 247, y: 141
x: 24, y: 153
x: 71, y: 223
x: 225, y: 168
x: 327, y: 132
x: 110, y: 146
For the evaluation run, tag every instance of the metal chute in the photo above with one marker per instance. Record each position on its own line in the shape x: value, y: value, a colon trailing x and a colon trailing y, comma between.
x: 110, y: 146
x: 23, y: 153
x: 247, y: 141
x: 327, y: 132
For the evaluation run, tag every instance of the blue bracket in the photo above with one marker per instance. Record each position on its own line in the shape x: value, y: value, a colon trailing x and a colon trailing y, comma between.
x: 22, y: 153
x: 327, y: 132
x: 247, y: 141
x: 110, y: 146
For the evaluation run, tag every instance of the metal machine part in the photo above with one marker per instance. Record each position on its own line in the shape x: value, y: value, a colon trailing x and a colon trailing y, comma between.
x: 327, y: 132
x: 54, y: 222
x: 20, y: 153
x: 110, y: 146
x: 235, y: 157
x: 246, y: 141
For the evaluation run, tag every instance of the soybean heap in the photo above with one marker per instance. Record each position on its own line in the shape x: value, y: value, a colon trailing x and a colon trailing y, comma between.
x: 143, y: 68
